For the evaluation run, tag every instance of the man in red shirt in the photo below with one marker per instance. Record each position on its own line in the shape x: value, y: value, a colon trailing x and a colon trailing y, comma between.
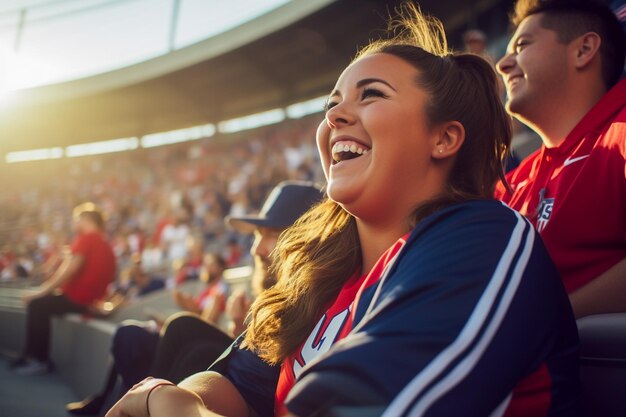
x: 562, y: 71
x: 81, y: 279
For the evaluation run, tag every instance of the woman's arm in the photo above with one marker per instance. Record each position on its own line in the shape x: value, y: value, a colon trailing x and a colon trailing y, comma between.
x: 217, y: 393
x: 159, y: 398
x: 247, y: 384
x: 154, y: 397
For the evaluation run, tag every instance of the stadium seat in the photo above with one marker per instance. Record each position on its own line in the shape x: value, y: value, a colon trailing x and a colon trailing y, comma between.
x: 603, y: 364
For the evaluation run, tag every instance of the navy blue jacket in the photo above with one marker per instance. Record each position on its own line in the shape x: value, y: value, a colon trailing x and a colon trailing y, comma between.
x: 471, y: 306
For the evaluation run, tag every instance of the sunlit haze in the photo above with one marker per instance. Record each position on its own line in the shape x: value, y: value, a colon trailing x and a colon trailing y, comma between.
x: 49, y: 41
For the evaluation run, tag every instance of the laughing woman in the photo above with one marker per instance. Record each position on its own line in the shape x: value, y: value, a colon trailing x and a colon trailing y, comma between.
x: 410, y: 289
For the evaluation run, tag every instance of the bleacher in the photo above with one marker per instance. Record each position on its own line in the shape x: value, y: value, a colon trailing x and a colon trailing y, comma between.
x: 80, y: 344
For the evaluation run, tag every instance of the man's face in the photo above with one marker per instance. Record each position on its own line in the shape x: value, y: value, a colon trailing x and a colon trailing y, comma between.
x: 212, y: 270
x: 535, y: 69
x: 264, y: 243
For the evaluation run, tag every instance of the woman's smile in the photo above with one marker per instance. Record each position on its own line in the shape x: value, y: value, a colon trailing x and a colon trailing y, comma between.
x: 345, y: 150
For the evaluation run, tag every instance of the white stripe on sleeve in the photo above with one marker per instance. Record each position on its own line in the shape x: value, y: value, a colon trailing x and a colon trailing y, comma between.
x: 402, y: 403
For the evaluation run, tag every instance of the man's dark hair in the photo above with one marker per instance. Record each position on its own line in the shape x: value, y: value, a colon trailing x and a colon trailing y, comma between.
x: 573, y: 18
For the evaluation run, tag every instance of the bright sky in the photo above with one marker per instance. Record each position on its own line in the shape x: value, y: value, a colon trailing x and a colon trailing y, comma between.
x: 62, y: 40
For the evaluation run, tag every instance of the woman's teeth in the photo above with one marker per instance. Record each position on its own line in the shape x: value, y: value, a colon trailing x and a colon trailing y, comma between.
x: 342, y: 152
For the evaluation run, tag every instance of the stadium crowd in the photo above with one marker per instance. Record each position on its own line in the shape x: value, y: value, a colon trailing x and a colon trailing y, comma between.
x: 158, y: 202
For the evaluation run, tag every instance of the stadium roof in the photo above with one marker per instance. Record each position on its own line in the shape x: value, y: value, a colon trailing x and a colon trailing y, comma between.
x: 291, y: 53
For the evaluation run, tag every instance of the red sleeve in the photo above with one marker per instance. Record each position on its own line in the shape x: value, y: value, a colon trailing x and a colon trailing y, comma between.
x: 499, y: 192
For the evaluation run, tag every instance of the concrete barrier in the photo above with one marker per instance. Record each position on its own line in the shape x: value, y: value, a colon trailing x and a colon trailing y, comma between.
x: 80, y: 345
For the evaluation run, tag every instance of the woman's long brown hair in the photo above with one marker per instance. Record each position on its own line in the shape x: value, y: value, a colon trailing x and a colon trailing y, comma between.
x: 317, y: 255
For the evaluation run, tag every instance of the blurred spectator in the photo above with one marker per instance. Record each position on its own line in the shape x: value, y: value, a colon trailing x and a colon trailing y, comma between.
x: 81, y: 279
x: 152, y: 257
x: 211, y: 302
x: 135, y: 342
x: 475, y: 42
x: 145, y: 190
x: 232, y: 253
x: 134, y: 282
x: 175, y: 238
x: 138, y: 282
x: 190, y: 268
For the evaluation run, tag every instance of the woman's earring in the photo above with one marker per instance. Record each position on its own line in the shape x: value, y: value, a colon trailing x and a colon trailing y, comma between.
x: 440, y: 150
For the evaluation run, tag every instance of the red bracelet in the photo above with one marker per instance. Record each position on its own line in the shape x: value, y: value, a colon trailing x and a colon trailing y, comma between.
x: 150, y: 392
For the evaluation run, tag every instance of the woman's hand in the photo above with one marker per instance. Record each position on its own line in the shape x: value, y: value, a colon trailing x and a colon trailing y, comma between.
x: 136, y: 402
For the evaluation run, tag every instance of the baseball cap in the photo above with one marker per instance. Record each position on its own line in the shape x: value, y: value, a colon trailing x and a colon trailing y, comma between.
x: 285, y: 204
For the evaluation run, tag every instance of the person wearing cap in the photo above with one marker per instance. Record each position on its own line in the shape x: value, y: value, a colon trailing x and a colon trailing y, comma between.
x: 82, y: 278
x: 189, y: 344
x: 283, y: 206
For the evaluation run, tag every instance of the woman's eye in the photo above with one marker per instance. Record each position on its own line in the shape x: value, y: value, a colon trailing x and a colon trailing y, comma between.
x: 370, y: 92
x: 329, y: 105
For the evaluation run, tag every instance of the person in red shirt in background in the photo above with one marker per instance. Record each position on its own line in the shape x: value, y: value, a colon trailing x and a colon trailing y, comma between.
x: 562, y: 73
x: 211, y: 302
x: 82, y: 278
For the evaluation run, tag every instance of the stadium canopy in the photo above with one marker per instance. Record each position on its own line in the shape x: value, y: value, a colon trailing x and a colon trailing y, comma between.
x: 78, y: 71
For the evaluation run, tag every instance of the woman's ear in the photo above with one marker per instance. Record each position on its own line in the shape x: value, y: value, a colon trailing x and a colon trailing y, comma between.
x: 449, y: 139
